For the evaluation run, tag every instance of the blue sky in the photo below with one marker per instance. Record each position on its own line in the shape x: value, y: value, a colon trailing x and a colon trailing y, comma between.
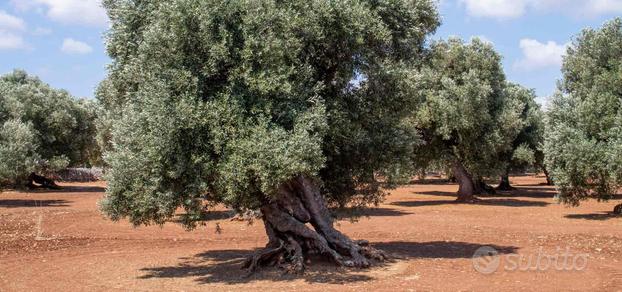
x: 62, y: 40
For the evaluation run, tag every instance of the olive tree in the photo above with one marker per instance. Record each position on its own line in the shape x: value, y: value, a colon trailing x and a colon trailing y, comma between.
x: 525, y: 150
x: 18, y: 152
x: 43, y: 129
x: 288, y: 107
x: 584, y: 129
x: 466, y: 118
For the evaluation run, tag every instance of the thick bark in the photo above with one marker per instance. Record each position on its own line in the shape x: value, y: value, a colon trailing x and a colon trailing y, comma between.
x: 466, y: 189
x: 504, y: 184
x: 549, y: 182
x: 617, y: 210
x: 42, y: 182
x: 291, y: 239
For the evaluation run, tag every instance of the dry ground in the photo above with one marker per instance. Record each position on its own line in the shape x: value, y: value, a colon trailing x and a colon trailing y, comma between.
x: 57, y: 241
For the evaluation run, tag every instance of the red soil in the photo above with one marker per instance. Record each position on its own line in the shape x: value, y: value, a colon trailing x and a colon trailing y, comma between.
x: 58, y: 241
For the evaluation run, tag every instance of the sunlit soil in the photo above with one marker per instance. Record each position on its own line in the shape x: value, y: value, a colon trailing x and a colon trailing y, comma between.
x: 58, y: 241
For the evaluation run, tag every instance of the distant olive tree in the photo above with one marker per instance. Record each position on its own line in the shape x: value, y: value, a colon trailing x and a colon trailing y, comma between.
x: 525, y: 151
x: 467, y: 116
x: 42, y: 129
x: 18, y: 151
x: 287, y: 107
x: 584, y: 131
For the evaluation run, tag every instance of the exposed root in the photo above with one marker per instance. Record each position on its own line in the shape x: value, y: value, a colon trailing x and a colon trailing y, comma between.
x: 372, y: 253
x: 266, y: 257
x: 292, y: 240
x: 295, y: 257
x: 617, y: 210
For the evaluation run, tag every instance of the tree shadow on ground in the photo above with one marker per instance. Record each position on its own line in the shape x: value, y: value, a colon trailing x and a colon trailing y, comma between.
x: 542, y: 185
x: 224, y: 266
x: 502, y: 202
x: 73, y: 189
x: 529, y: 192
x: 63, y: 189
x: 33, y: 203
x: 342, y: 214
x: 437, y: 193
x: 423, y: 203
x: 439, y: 249
x: 595, y: 216
x: 432, y: 181
x: 512, y: 203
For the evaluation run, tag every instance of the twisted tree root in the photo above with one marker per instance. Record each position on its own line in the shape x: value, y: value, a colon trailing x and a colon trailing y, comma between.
x: 292, y: 240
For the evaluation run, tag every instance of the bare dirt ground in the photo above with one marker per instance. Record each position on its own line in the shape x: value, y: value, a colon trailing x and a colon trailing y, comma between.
x: 58, y: 241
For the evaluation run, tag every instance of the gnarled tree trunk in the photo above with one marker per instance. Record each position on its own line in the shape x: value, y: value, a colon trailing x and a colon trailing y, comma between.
x: 466, y: 187
x: 549, y: 181
x: 292, y: 240
x: 504, y: 184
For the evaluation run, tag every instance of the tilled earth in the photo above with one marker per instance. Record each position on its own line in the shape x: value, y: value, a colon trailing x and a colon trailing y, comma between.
x: 58, y: 241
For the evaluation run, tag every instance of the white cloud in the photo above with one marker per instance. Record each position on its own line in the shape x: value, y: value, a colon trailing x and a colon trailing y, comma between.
x: 538, y: 55
x: 495, y: 8
x: 11, y: 28
x: 71, y: 46
x: 11, y: 41
x: 605, y: 6
x: 23, y: 5
x: 89, y: 12
x: 506, y: 9
x: 10, y: 22
x: 39, y: 31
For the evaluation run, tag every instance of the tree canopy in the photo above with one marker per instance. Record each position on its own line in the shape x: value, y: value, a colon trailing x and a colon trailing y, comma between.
x: 271, y: 105
x: 469, y: 114
x: 226, y: 101
x: 584, y: 129
x: 525, y: 150
x: 42, y: 128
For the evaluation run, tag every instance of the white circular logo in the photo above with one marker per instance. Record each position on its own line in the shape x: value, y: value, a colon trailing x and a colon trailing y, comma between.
x: 486, y: 260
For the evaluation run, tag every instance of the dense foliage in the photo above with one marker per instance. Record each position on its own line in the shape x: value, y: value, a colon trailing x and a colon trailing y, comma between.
x: 525, y: 151
x: 42, y: 128
x: 225, y: 101
x: 469, y: 114
x: 584, y: 129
